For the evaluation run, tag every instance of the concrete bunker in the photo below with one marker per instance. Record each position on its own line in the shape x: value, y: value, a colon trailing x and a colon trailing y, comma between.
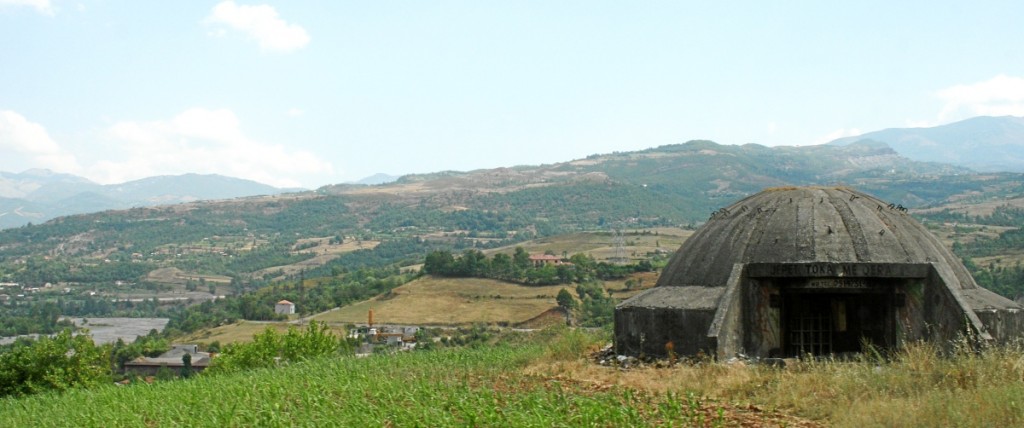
x: 812, y: 270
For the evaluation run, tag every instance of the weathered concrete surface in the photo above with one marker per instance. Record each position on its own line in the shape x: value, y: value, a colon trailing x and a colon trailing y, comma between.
x: 832, y: 241
x: 676, y: 298
x: 1003, y: 319
x: 648, y: 322
x: 802, y: 225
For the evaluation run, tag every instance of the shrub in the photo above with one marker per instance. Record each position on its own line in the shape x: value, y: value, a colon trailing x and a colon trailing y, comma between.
x: 53, y: 364
x: 270, y: 348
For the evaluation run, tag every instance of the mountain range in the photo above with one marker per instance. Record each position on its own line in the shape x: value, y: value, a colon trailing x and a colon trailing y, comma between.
x: 38, y: 195
x: 900, y: 164
x: 984, y: 143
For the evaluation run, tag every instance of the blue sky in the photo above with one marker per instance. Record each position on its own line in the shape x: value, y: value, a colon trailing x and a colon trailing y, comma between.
x: 312, y: 93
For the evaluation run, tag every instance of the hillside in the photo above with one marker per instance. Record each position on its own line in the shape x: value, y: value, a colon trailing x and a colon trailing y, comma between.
x: 989, y: 144
x: 679, y: 183
x: 665, y: 186
x: 354, y: 239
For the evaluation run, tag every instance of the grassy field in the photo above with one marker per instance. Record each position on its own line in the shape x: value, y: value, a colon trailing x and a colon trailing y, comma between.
x: 451, y: 301
x: 484, y: 386
x: 601, y: 246
x: 547, y: 379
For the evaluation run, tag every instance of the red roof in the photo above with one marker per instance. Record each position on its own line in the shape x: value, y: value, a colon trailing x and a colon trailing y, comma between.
x: 285, y: 302
x: 545, y: 257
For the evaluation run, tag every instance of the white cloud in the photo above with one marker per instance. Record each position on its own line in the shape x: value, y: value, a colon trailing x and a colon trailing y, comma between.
x: 1001, y: 95
x: 839, y: 133
x: 42, y: 6
x: 295, y: 112
x: 202, y: 141
x: 261, y: 23
x: 30, y: 146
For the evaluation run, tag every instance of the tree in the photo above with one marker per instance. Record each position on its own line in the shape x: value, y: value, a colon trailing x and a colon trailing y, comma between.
x: 186, y: 365
x: 439, y: 263
x: 565, y: 300
x: 521, y: 258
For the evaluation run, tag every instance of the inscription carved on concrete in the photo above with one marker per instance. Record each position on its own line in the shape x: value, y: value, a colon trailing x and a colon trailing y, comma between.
x: 841, y: 270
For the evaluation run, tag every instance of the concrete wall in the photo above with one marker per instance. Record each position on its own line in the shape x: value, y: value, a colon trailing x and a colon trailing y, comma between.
x: 646, y: 331
x: 764, y: 327
x: 1005, y: 326
x: 744, y: 320
x: 946, y: 317
x: 910, y: 319
x: 727, y: 330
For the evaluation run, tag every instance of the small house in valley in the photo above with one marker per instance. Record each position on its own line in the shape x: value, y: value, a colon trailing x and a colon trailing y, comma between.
x: 540, y: 260
x: 284, y: 307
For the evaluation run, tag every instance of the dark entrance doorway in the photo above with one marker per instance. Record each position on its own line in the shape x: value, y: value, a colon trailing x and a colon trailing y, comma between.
x: 827, y: 322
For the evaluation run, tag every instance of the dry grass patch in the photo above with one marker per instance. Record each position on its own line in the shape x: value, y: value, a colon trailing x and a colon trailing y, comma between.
x: 600, y: 245
x: 914, y: 387
x: 451, y: 301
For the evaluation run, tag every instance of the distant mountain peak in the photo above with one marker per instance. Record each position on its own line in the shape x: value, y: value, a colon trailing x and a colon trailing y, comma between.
x: 983, y: 143
x: 378, y: 178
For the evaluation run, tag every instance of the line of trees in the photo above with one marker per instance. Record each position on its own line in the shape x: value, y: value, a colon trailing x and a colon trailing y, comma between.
x: 518, y: 267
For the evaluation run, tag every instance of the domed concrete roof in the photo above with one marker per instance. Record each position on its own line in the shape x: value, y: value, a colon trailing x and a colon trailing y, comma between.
x: 807, y: 224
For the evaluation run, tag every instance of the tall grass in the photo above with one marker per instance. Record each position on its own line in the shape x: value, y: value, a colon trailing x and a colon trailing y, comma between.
x: 916, y: 386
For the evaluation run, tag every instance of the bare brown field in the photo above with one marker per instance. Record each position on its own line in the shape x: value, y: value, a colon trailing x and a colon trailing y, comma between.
x: 451, y: 301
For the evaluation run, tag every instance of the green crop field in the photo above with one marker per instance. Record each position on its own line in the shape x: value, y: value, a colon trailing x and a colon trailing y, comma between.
x: 546, y: 379
x: 481, y: 386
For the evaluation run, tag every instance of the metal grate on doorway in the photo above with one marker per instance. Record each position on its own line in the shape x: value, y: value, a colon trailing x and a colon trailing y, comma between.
x: 811, y: 334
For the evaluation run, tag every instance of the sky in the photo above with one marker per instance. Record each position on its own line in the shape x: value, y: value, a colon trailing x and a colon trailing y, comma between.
x: 309, y: 93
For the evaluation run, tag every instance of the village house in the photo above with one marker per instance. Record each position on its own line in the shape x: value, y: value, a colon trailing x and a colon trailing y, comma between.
x: 540, y: 260
x: 284, y: 307
x: 172, y: 360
